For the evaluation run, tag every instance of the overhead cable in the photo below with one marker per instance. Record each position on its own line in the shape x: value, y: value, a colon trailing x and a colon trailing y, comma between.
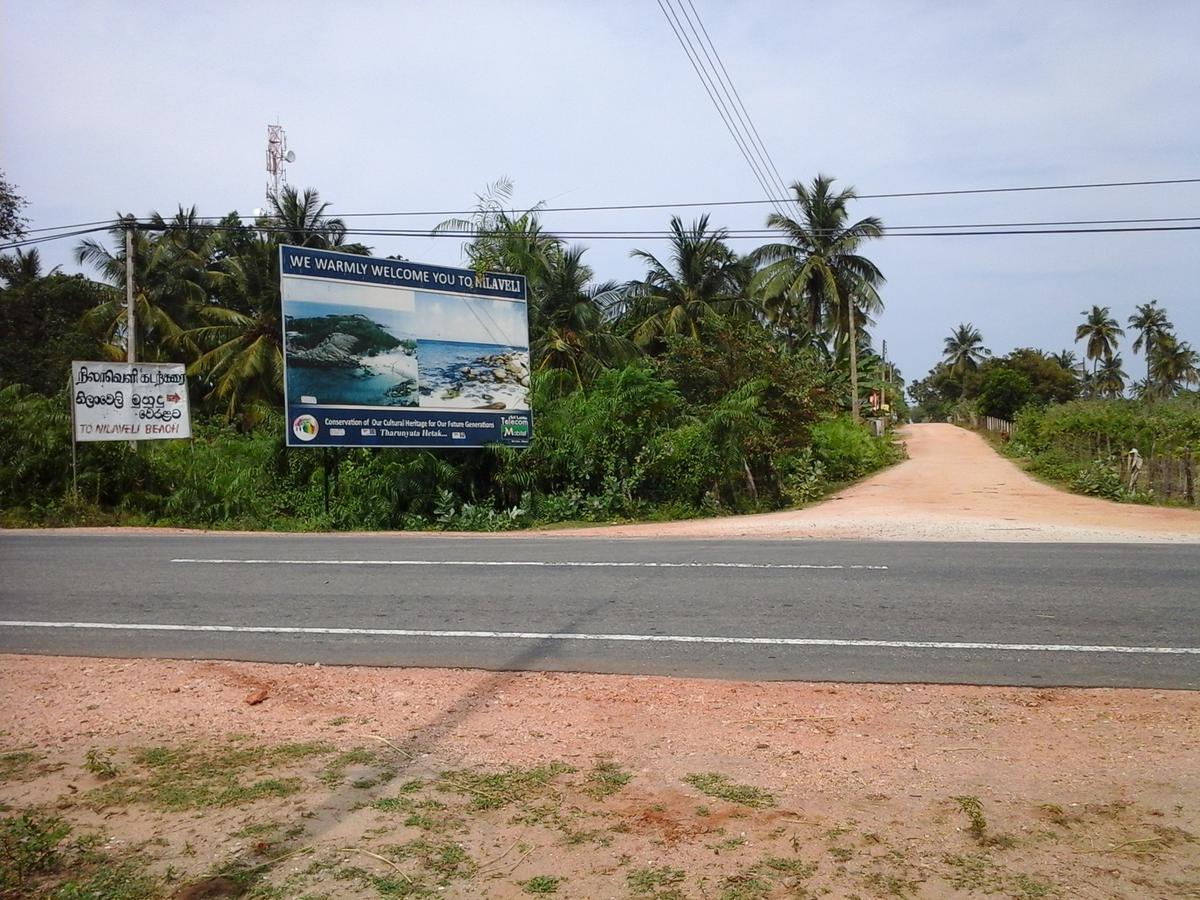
x: 749, y: 128
x: 710, y: 88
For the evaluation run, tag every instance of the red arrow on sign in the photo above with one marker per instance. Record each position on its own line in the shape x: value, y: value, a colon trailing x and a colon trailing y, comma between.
x: 174, y: 398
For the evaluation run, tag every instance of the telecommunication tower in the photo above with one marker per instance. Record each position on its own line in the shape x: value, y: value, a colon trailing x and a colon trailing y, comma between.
x: 278, y: 155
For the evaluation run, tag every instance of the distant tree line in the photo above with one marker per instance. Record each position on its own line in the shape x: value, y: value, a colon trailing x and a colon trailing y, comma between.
x: 970, y: 378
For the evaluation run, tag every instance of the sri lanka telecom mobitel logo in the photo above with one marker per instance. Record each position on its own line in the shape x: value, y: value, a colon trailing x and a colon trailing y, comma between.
x: 305, y: 427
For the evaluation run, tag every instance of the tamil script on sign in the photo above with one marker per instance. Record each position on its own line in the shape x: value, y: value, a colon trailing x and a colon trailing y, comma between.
x: 114, y: 401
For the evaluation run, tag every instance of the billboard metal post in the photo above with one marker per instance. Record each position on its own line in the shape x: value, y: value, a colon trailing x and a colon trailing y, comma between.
x: 325, y: 477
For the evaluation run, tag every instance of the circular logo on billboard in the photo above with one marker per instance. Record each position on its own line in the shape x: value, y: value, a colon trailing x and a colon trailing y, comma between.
x: 305, y: 427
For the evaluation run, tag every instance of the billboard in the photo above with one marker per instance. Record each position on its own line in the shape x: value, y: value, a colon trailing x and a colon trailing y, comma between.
x: 115, y: 401
x: 390, y: 353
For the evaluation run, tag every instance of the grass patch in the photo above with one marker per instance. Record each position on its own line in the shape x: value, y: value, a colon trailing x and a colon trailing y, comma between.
x: 744, y: 886
x: 973, y: 809
x: 100, y: 764
x: 495, y: 790
x: 541, y: 884
x: 713, y: 784
x: 978, y: 872
x: 335, y: 772
x: 605, y: 779
x: 13, y: 765
x: 444, y: 860
x: 186, y: 778
x: 124, y: 881
x: 790, y: 866
x: 393, y: 804
x: 890, y: 885
x: 35, y: 854
x: 650, y: 882
x: 30, y: 844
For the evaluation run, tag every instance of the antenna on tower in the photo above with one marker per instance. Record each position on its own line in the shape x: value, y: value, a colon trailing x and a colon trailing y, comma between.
x: 278, y: 155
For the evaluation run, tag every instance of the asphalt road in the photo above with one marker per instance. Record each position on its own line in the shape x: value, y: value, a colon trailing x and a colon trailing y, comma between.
x: 1028, y: 614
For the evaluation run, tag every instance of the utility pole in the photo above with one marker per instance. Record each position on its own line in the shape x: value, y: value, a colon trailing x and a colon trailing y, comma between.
x: 886, y: 379
x: 130, y: 315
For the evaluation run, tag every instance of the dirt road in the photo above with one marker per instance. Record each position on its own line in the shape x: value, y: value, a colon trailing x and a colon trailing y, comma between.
x: 953, y: 487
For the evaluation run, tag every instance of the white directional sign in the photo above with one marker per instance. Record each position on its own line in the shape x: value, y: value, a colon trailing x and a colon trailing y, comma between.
x: 114, y: 401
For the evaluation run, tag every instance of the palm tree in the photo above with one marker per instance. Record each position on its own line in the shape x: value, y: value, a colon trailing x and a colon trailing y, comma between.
x: 500, y: 239
x: 1066, y: 358
x: 239, y: 355
x: 1173, y: 366
x: 24, y: 267
x: 173, y: 275
x: 569, y: 332
x: 964, y: 349
x: 1110, y: 378
x: 819, y: 274
x: 1150, y: 322
x: 300, y: 220
x: 1101, y: 331
x: 702, y: 279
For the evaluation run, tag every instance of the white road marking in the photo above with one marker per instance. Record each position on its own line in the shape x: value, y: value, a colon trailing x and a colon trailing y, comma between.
x: 637, y: 638
x: 548, y: 564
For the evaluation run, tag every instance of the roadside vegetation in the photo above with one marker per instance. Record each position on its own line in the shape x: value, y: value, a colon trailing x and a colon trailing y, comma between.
x: 719, y: 382
x: 1075, y: 421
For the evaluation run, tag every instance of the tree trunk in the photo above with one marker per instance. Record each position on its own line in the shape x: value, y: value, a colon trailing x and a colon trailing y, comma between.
x: 750, y: 480
x: 1189, y: 481
x: 853, y: 366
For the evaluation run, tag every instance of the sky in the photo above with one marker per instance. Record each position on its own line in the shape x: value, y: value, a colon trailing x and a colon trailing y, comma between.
x: 407, y: 106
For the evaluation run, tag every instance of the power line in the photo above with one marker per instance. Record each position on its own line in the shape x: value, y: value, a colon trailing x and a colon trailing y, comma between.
x: 724, y: 85
x: 76, y: 225
x: 932, y: 231
x: 709, y: 88
x: 45, y: 239
x: 926, y: 230
x: 695, y: 204
x: 879, y: 196
x: 698, y: 204
x: 728, y: 81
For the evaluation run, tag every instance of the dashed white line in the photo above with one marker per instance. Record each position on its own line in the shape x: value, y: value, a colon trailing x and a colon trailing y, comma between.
x: 637, y: 638
x: 546, y: 564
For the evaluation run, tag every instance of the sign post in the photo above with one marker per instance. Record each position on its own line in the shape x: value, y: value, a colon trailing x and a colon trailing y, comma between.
x: 112, y: 401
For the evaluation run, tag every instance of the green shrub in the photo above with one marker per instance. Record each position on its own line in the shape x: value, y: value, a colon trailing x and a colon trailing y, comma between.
x: 801, y: 476
x: 848, y: 450
x: 1065, y: 442
x: 30, y: 844
x: 631, y: 446
x: 1098, y: 480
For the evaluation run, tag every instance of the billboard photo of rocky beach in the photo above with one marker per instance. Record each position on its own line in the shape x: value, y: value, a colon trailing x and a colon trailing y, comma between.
x: 469, y: 355
x: 347, y: 355
x: 385, y: 352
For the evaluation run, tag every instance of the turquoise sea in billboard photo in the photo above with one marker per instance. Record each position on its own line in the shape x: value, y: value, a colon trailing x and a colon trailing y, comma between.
x: 349, y: 356
x: 459, y: 375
